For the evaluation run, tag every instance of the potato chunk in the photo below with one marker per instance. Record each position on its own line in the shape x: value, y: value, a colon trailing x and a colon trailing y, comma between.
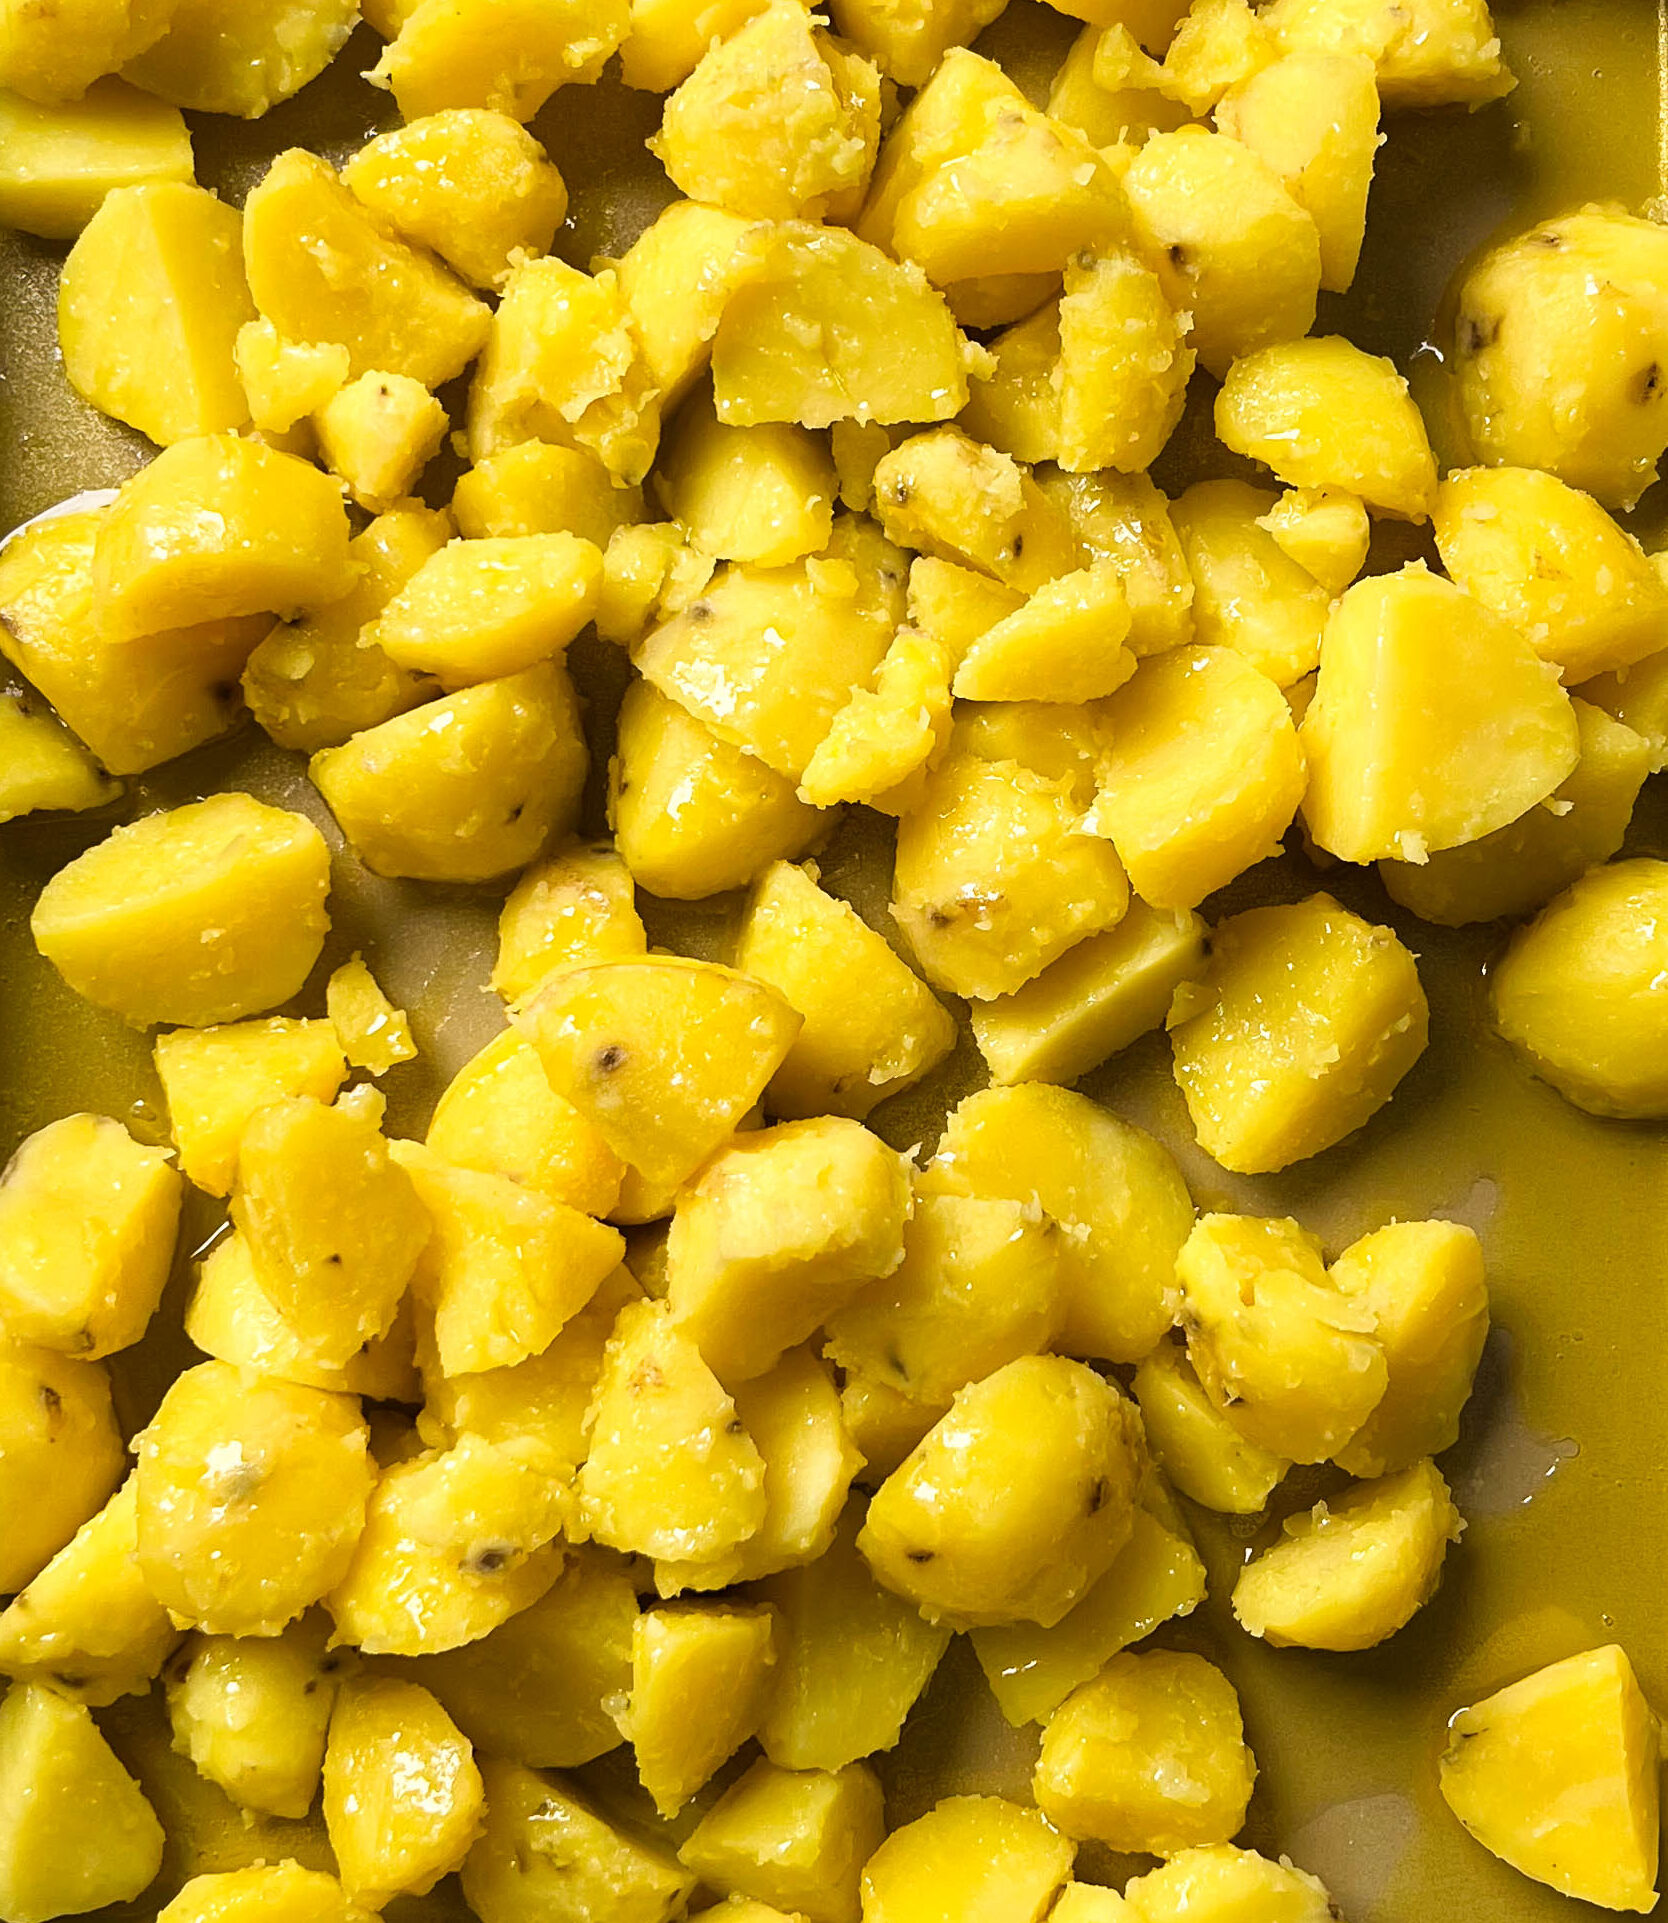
x: 1149, y: 1758
x: 763, y: 495
x: 980, y: 1859
x: 402, y: 1795
x: 908, y: 42
x: 43, y: 766
x: 1289, y: 1357
x: 794, y: 1839
x: 1549, y: 560
x: 1221, y: 1882
x: 76, y: 1831
x: 55, y: 57
x: 1195, y: 1442
x: 1232, y: 246
x: 375, y: 1035
x: 214, y: 1080
x: 880, y: 743
x: 251, y: 1498
x: 1124, y: 519
x: 1250, y: 593
x: 506, y: 55
x: 149, y: 305
x: 1558, y: 1775
x: 668, y: 38
x: 535, y: 488
x: 284, y: 381
x: 323, y: 268
x: 822, y: 327
x: 202, y: 914
x: 1321, y: 413
x: 220, y: 58
x: 699, y: 1675
x: 1594, y: 414
x: 464, y: 789
x: 1113, y: 1190
x: 576, y: 906
x: 664, y: 1055
x: 378, y: 433
x: 60, y: 1453
x: 1353, y: 1570
x: 1578, y: 992
x: 268, y: 1893
x: 1015, y: 1503
x: 676, y: 279
x: 1065, y: 644
x: 1089, y: 1902
x: 1432, y: 53
x: 1433, y: 723
x: 944, y: 494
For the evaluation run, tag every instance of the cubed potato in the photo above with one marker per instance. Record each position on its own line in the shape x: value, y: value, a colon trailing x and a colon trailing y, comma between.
x: 1124, y: 519
x: 1249, y: 593
x: 1218, y: 44
x: 76, y: 1831
x: 61, y: 162
x: 1149, y: 1759
x: 200, y: 914
x: 671, y: 1472
x: 953, y: 605
x: 871, y: 1027
x: 402, y: 1796
x: 251, y: 1712
x: 88, y: 1218
x: 232, y: 1318
x: 508, y: 56
x: 1201, y: 776
x: 694, y: 815
x: 1423, y: 1284
x: 534, y: 488
x: 978, y: 1287
x: 42, y: 765
x: 374, y: 1034
x: 777, y: 122
x: 267, y: 1893
x: 1089, y: 1903
x: 1520, y: 867
x: 1549, y: 560
x: 545, y: 1852
x: 467, y: 182
x: 541, y: 1688
x: 1321, y: 413
x: 61, y: 1453
x: 54, y: 58
x: 668, y: 38
x: 464, y: 789
x: 700, y: 1675
x: 574, y: 907
x: 479, y: 610
x: 1433, y: 53
x: 649, y: 574
x: 1016, y: 1502
x: 794, y: 1839
x: 1314, y: 118
x: 1123, y: 370
x: 665, y: 1056
x: 1577, y: 992
x: 1066, y: 644
x: 215, y: 1079
x: 884, y: 1425
x: 996, y: 876
x: 220, y: 58
x: 1108, y: 86
x: 500, y: 1115
x: 852, y: 1660
x: 284, y: 381
x: 1231, y: 245
x: 778, y: 1232
x: 1557, y: 1774
x: 676, y: 278
x: 1196, y: 1444
x: 945, y: 495
x: 455, y: 1543
x: 251, y: 1496
x: 1096, y: 999
x: 324, y: 268
x: 1156, y: 1577
x: 763, y: 495
x: 1636, y: 696
x: 1278, y: 1346
x: 1434, y: 722
x: 907, y: 43
x: 1017, y: 409
x: 881, y: 742
x: 1325, y: 530
x: 1220, y: 1883
x: 1593, y: 414
x: 820, y: 326
x: 313, y: 683
x: 1352, y: 1570
x: 562, y: 363
x: 334, y: 1225
x: 980, y: 1859
x: 379, y: 433
x: 1115, y: 1193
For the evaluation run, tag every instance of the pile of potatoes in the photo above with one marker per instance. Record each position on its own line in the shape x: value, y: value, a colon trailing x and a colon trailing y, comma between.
x: 652, y: 1399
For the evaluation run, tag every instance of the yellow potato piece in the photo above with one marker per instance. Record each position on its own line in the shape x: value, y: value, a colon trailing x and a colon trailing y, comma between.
x: 218, y: 57
x: 907, y: 42
x: 1123, y: 518
x: 669, y: 38
x: 1431, y: 53
x: 978, y: 1858
x: 53, y: 58
x: 1066, y: 644
x: 1325, y: 530
x: 794, y: 1839
x: 1558, y: 1775
x: 374, y: 1034
x: 763, y: 495
x: 58, y: 163
x: 506, y: 55
x: 1196, y: 1444
x: 1108, y: 85
x: 285, y: 380
x: 60, y: 1453
x: 1250, y: 594
x: 1217, y: 45
x: 43, y: 766
x: 378, y: 433
x: 202, y: 914
x: 943, y: 494
x: 534, y: 488
x: 576, y: 906
x: 269, y: 1893
x: 677, y: 276
x: 1089, y: 1903
x: 700, y: 1673
x: 880, y: 743
x: 1221, y: 1884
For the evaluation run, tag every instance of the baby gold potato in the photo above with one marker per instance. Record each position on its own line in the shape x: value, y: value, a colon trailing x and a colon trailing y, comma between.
x: 1354, y: 1570
x: 534, y: 488
x: 251, y: 1498
x: 676, y: 278
x: 700, y: 1674
x: 286, y: 380
x: 1195, y: 1442
x: 978, y: 1858
x: 53, y: 59
x: 946, y: 496
x: 201, y: 914
x: 1250, y: 593
x: 1288, y: 1357
x: 1015, y: 1502
x: 378, y: 433
x: 763, y: 495
x: 1149, y: 1758
x: 60, y: 1453
x: 1430, y: 53
x: 576, y: 906
x: 1066, y: 644
x: 1326, y: 530
x: 502, y: 54
x: 217, y: 57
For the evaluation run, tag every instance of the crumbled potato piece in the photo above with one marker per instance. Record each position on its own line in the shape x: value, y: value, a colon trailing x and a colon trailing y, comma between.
x: 508, y: 56
x: 974, y: 1857
x: 375, y: 1035
x: 1089, y: 1903
x: 676, y: 279
x: 61, y: 1453
x: 1429, y: 53
x: 907, y: 42
x: 53, y: 58
x: 1249, y: 593
x: 669, y: 38
x: 943, y: 494
x: 222, y: 58
x: 215, y: 1079
x: 379, y: 433
x: 1066, y: 644
x: 1223, y: 1882
x: 1124, y: 519
x: 1108, y: 86
x: 284, y: 381
x: 1219, y: 44
x: 575, y: 906
x: 700, y: 1674
x: 1557, y: 1774
x: 762, y: 495
x: 1195, y: 1442
x: 880, y: 744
